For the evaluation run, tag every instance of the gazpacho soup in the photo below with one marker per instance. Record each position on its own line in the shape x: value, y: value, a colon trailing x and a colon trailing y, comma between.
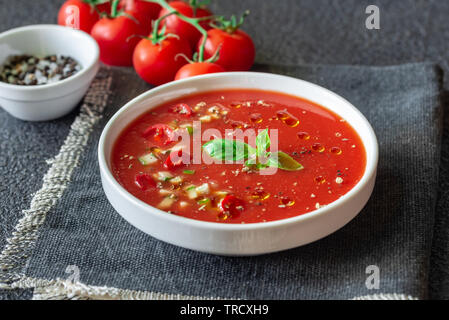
x: 238, y: 156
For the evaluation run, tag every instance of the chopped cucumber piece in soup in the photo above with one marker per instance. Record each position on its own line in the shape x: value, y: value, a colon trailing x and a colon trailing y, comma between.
x: 163, y: 176
x: 203, y: 189
x: 176, y: 180
x: 167, y: 202
x: 148, y: 159
x: 191, y: 193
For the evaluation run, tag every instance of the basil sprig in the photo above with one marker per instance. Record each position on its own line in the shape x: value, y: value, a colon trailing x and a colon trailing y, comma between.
x: 262, y: 143
x: 229, y: 150
x: 283, y: 161
x: 233, y: 150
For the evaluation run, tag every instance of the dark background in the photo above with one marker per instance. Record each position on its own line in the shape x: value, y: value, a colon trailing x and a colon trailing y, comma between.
x: 311, y: 31
x: 286, y: 32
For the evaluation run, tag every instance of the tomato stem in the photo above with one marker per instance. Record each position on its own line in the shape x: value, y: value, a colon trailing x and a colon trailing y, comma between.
x: 94, y: 3
x: 182, y: 55
x: 193, y: 21
x: 231, y: 25
x: 195, y: 4
x: 216, y: 55
x: 114, y: 8
x: 115, y: 12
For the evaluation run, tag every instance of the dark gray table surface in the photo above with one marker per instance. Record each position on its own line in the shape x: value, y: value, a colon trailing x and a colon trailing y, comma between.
x: 287, y: 32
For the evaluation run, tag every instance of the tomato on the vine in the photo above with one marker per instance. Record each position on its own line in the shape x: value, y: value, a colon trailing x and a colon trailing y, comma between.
x: 237, y: 51
x: 182, y: 28
x: 198, y: 68
x: 117, y: 36
x: 157, y: 61
x: 142, y: 10
x: 104, y: 7
x: 113, y: 37
x: 79, y: 14
x: 236, y: 48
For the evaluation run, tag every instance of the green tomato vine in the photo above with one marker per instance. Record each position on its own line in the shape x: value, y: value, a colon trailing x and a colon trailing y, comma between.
x: 115, y: 12
x: 193, y: 21
x: 231, y: 25
x: 158, y: 36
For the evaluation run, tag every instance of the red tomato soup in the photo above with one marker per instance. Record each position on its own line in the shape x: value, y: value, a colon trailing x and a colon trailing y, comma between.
x: 319, y: 157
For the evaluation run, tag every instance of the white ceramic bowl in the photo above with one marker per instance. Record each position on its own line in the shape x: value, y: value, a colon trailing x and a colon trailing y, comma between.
x: 238, y: 239
x: 49, y: 101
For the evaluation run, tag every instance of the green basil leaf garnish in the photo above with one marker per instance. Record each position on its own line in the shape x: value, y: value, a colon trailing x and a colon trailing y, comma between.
x: 190, y: 130
x: 283, y: 161
x: 262, y: 142
x: 230, y: 150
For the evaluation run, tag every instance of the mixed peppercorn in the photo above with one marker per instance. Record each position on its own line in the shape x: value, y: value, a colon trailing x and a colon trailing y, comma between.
x: 31, y: 70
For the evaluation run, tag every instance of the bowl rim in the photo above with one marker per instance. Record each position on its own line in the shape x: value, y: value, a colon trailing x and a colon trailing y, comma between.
x: 68, y: 30
x: 369, y: 173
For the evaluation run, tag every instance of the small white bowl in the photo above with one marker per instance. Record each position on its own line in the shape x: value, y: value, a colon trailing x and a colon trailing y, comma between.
x: 238, y: 239
x: 54, y: 100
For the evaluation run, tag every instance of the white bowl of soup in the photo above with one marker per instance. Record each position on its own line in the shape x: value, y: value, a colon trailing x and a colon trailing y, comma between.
x: 240, y: 163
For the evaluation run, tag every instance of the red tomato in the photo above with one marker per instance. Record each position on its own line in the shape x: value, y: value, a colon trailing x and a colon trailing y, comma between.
x: 104, y: 7
x: 143, y: 11
x: 160, y: 133
x: 144, y: 181
x: 175, y: 160
x: 198, y: 68
x: 78, y: 14
x: 157, y: 63
x: 182, y: 28
x: 231, y: 205
x: 182, y: 109
x: 237, y: 51
x: 113, y: 37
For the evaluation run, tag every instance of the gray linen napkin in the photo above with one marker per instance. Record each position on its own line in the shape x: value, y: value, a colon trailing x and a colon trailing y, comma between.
x: 82, y: 238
